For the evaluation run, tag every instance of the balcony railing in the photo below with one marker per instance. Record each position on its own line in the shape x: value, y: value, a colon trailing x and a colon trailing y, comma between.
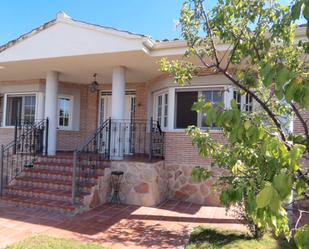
x: 116, y: 140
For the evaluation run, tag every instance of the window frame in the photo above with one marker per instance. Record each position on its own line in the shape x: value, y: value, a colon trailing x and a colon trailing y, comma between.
x: 70, y: 126
x: 200, y: 115
x: 17, y: 94
x: 164, y: 107
x: 243, y: 105
x: 227, y: 89
x: 199, y: 90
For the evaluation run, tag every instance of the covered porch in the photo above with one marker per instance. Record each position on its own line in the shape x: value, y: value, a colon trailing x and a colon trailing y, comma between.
x: 48, y: 73
x: 50, y: 102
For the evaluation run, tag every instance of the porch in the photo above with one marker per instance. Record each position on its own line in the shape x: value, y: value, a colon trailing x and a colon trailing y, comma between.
x: 79, y: 180
x: 107, y: 118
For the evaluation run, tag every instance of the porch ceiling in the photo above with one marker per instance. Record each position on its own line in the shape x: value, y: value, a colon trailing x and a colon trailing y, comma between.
x: 79, y: 69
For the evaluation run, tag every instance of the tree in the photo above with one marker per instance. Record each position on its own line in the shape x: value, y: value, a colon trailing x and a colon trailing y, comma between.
x: 261, y: 160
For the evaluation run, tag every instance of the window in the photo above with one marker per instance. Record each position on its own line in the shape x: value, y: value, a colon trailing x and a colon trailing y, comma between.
x: 165, y: 110
x: 65, y: 113
x: 161, y: 109
x: 29, y: 108
x: 184, y: 102
x: 20, y: 107
x: 1, y: 109
x: 213, y: 96
x: 184, y: 114
x: 244, y: 102
x: 132, y: 109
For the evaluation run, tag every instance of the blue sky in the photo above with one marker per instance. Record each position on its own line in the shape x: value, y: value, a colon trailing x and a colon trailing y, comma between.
x: 150, y: 17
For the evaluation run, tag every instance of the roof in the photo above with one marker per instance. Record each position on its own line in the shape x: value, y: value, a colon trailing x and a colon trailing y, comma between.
x: 150, y: 44
x: 63, y: 16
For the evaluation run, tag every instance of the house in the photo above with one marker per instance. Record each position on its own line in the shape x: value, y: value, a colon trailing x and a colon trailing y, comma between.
x: 79, y: 101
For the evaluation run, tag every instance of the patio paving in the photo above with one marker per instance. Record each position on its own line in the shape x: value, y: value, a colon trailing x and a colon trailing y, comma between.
x: 117, y: 226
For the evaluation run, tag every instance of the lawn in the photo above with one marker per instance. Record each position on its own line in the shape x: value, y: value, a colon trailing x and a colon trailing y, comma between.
x: 208, y: 238
x: 46, y: 242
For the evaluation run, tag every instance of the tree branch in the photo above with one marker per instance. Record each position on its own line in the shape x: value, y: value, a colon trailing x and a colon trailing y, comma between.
x: 257, y: 99
x: 304, y: 124
x: 209, y: 31
x: 231, y: 56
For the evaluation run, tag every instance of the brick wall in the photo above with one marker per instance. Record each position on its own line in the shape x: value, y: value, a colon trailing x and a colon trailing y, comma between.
x: 89, y: 104
x: 298, y: 128
x: 6, y: 135
x: 179, y: 149
x: 69, y: 140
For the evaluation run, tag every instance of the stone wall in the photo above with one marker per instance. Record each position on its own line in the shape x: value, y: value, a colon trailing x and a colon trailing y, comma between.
x: 182, y: 186
x: 143, y: 183
x: 99, y: 193
x: 150, y: 183
x: 180, y: 158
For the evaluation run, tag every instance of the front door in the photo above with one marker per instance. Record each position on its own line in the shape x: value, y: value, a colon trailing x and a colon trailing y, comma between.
x: 105, y: 109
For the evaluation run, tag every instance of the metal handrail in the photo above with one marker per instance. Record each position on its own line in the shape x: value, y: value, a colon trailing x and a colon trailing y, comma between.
x: 22, y: 151
x: 76, y: 176
x: 114, y: 139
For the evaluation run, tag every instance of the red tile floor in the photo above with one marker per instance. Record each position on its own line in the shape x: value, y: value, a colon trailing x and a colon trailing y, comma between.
x: 117, y: 226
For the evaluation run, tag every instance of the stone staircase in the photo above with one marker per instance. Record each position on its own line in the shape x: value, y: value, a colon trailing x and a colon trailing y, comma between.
x: 48, y: 186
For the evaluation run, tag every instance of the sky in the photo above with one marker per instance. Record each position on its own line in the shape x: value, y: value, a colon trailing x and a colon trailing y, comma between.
x: 156, y: 18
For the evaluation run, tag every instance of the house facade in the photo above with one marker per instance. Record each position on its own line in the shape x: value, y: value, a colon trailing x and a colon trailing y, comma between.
x: 92, y: 83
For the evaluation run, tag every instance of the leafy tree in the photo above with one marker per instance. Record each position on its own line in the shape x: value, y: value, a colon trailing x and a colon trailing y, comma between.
x: 261, y: 161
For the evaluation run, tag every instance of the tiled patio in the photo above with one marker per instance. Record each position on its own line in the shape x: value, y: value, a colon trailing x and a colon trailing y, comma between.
x: 117, y: 226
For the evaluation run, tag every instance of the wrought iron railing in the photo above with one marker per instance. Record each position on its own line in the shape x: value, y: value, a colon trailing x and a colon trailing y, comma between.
x: 115, y: 140
x: 30, y: 141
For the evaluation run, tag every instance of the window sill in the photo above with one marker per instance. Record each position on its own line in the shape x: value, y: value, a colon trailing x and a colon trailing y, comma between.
x: 64, y: 129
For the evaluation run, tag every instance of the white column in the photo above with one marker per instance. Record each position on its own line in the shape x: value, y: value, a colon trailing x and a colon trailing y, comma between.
x: 51, y: 109
x: 118, y: 93
x: 228, y: 96
x: 40, y: 106
x: 118, y: 112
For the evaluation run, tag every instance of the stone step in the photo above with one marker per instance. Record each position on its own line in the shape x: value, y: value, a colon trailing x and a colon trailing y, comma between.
x: 48, y: 184
x: 56, y: 175
x: 86, y: 159
x: 40, y: 204
x: 42, y: 193
x: 68, y: 167
x: 36, y: 182
x: 55, y: 159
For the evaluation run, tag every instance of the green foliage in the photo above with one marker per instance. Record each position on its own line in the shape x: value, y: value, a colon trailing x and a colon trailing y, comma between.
x: 266, y: 196
x: 201, y: 174
x: 209, y: 238
x: 47, y: 242
x: 261, y: 158
x: 302, y: 237
x: 182, y: 71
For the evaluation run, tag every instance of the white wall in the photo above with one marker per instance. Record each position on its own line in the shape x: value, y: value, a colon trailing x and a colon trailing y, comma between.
x: 66, y: 39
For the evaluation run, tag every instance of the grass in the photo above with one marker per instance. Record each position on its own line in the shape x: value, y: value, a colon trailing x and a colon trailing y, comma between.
x: 46, y: 242
x: 208, y: 238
